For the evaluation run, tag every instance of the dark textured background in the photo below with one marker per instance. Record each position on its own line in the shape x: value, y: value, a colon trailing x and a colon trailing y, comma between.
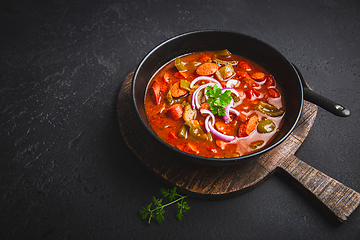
x: 66, y: 172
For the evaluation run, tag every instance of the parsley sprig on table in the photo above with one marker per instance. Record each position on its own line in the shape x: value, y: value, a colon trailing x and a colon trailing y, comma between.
x: 159, y: 211
x: 218, y: 100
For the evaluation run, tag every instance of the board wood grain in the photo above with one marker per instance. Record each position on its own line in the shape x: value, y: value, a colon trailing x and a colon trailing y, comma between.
x: 208, y: 182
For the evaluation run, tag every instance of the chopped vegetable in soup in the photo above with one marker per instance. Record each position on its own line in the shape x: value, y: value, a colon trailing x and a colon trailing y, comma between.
x: 214, y: 104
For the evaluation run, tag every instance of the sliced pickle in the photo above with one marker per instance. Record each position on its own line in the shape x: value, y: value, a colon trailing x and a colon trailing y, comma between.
x: 195, y: 130
x: 222, y: 62
x: 268, y: 109
x: 225, y: 72
x: 223, y: 53
x: 182, y: 132
x: 189, y: 113
x: 185, y: 85
x: 180, y: 65
x: 256, y: 144
x: 266, y: 126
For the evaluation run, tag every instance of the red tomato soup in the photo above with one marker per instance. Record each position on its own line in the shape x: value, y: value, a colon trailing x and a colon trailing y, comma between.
x: 214, y: 104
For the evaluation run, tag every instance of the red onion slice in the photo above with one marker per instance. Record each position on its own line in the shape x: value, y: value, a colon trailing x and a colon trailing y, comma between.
x: 209, y: 127
x: 194, y: 99
x: 205, y: 96
x: 227, y: 109
x: 210, y: 79
x: 232, y: 83
x: 234, y: 111
x: 227, y: 115
x: 208, y: 112
x: 232, y: 90
x: 227, y: 112
x: 207, y: 119
x: 260, y: 83
x: 209, y: 115
x: 219, y: 135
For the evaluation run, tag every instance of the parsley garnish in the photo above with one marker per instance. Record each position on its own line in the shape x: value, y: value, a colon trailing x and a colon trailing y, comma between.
x: 218, y: 100
x: 158, y: 211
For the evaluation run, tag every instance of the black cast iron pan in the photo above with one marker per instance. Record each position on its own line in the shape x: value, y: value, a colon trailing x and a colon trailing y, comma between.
x: 287, y: 76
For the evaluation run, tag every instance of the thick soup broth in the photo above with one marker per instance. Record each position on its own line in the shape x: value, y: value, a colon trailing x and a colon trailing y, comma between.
x: 214, y: 104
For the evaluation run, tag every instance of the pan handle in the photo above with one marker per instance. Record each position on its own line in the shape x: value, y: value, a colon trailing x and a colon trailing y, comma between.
x: 340, y: 200
x: 325, y: 103
x: 321, y: 101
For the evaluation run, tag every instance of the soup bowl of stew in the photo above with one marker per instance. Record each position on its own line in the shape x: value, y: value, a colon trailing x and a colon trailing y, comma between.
x: 217, y: 97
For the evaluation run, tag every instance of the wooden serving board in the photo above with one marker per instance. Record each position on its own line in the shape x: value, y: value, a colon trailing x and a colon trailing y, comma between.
x: 223, y: 182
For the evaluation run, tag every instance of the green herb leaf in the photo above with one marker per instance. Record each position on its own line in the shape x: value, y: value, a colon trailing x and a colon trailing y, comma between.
x: 164, y: 192
x: 160, y: 218
x: 217, y: 99
x: 143, y: 213
x: 159, y: 211
x: 148, y: 207
x: 179, y: 215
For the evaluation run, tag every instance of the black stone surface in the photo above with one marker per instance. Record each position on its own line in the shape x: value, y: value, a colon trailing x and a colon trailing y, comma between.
x: 66, y: 172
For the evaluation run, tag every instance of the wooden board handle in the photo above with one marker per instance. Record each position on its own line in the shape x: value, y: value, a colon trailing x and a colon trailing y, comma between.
x: 335, y: 196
